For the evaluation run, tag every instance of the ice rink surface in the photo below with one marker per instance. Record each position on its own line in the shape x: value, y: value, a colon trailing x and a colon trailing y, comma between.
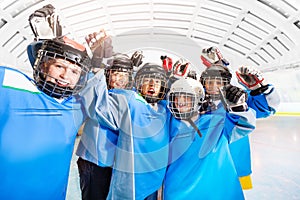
x: 275, y: 146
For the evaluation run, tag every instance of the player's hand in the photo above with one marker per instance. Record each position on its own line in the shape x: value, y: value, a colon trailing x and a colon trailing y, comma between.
x: 167, y: 63
x: 234, y: 98
x: 101, y: 46
x: 137, y: 58
x: 45, y: 23
x: 212, y: 55
x: 252, y: 79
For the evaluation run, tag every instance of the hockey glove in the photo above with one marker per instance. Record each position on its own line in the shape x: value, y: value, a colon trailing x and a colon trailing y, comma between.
x: 252, y: 79
x: 45, y: 23
x: 167, y: 63
x: 212, y: 55
x: 136, y: 58
x: 101, y: 46
x: 234, y: 98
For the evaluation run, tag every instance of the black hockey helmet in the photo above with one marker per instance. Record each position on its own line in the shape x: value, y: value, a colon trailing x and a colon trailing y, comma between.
x: 151, y: 70
x: 120, y: 63
x: 62, y: 48
x: 215, y: 72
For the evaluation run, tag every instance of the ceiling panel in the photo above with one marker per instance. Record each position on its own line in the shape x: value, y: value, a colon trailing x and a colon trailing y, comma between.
x: 262, y: 32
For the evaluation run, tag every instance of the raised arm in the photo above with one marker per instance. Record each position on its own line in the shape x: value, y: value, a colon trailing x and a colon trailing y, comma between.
x: 98, y: 102
x: 240, y: 118
x: 263, y: 97
x: 102, y: 105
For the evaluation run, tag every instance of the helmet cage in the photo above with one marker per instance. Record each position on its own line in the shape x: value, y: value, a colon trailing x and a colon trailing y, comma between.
x: 195, y: 102
x: 184, y: 88
x: 108, y: 74
x: 152, y: 71
x: 222, y: 81
x: 139, y: 82
x: 51, y: 50
x: 120, y: 63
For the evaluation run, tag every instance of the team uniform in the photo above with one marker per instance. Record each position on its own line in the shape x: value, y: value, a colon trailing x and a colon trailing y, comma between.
x: 199, y: 166
x: 96, y: 148
x: 263, y: 102
x: 96, y: 151
x: 149, y: 144
x: 142, y: 147
x: 37, y: 138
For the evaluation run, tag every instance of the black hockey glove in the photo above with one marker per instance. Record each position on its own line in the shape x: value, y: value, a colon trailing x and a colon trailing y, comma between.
x: 234, y: 98
x: 101, y: 46
x: 136, y: 58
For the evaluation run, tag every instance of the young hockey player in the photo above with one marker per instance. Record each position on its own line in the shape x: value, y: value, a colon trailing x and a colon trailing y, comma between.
x: 96, y: 149
x: 262, y: 97
x: 40, y: 118
x: 200, y: 164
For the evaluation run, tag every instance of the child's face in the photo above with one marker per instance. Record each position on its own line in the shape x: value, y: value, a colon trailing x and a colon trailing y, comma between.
x: 151, y: 87
x: 118, y: 79
x: 63, y: 73
x: 212, y: 85
x: 183, y: 103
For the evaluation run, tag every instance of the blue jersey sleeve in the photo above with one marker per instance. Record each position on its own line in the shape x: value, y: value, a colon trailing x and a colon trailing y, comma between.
x: 102, y: 105
x: 264, y: 104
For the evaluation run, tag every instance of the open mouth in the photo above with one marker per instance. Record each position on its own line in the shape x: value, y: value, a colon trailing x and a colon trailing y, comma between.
x: 151, y: 91
x: 183, y: 107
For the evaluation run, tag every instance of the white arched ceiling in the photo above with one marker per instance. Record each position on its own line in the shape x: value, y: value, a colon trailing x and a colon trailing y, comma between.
x: 262, y: 33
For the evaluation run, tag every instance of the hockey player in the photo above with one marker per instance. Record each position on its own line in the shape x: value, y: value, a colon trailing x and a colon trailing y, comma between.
x: 141, y: 120
x: 262, y: 97
x: 119, y: 74
x: 200, y: 164
x: 96, y: 149
x: 40, y: 118
x: 149, y: 121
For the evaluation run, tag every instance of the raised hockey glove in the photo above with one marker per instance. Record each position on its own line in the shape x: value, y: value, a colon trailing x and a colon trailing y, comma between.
x: 212, y: 55
x: 45, y: 23
x: 167, y: 63
x: 207, y: 105
x: 234, y: 98
x: 252, y: 79
x: 137, y: 58
x: 101, y: 46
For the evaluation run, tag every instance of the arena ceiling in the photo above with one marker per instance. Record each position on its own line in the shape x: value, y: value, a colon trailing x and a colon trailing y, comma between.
x: 263, y: 33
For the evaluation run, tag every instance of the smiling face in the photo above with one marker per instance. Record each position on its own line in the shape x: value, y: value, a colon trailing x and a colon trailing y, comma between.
x: 118, y: 79
x: 62, y: 73
x: 183, y: 103
x: 151, y: 87
x: 212, y: 85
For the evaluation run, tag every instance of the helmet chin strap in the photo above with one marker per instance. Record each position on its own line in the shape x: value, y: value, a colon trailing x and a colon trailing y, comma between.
x: 194, y: 126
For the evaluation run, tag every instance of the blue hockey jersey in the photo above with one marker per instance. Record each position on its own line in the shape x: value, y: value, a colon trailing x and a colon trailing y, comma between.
x: 190, y: 175
x: 265, y: 105
x: 37, y: 135
x: 142, y: 147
